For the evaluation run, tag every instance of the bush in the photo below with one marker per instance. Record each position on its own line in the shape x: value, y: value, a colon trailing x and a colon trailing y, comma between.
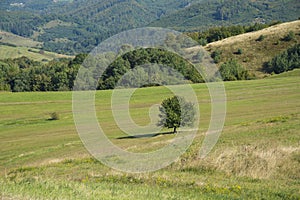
x: 260, y: 38
x: 287, y: 60
x: 289, y: 37
x: 216, y: 55
x: 54, y: 116
x: 232, y: 70
x: 239, y: 51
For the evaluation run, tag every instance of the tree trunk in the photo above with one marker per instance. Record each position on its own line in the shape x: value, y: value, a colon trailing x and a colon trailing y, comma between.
x: 175, y: 131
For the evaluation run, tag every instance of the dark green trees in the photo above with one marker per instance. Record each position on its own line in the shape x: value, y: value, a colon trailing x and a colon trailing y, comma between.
x: 176, y: 112
x: 232, y: 70
x: 287, y: 60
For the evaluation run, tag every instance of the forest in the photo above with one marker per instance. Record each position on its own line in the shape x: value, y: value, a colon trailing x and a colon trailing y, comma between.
x: 23, y: 74
x: 78, y: 26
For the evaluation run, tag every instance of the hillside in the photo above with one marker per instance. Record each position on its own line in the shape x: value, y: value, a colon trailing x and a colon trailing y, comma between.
x: 206, y: 14
x: 7, y: 51
x: 255, y: 53
x: 45, y: 159
x: 14, y: 46
x: 90, y: 21
x: 85, y: 23
x: 16, y: 40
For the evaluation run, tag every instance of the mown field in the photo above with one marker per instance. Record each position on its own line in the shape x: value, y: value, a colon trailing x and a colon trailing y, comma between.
x: 257, y: 155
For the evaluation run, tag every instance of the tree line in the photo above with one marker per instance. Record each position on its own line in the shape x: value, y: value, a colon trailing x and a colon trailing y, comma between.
x: 23, y: 74
x: 218, y: 33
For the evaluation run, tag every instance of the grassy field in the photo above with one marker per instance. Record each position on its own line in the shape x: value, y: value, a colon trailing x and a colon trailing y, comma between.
x: 256, y: 157
x: 31, y: 53
x: 16, y: 40
x: 14, y: 46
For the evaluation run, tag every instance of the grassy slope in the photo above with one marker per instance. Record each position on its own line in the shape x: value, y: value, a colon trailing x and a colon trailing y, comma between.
x: 18, y: 40
x: 255, y: 53
x: 32, y: 53
x: 23, y: 47
x: 257, y: 155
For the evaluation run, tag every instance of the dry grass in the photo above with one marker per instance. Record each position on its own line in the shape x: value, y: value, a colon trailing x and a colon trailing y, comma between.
x: 256, y: 161
x: 18, y: 40
x: 256, y: 53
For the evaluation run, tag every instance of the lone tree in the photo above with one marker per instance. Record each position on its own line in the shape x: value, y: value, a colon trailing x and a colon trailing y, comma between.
x: 176, y: 112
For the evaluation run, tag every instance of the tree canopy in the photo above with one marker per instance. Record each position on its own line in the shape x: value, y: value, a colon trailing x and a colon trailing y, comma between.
x: 176, y: 112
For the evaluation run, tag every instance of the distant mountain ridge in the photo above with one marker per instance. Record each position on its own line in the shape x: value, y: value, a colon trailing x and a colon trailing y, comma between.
x: 83, y: 24
x: 206, y: 14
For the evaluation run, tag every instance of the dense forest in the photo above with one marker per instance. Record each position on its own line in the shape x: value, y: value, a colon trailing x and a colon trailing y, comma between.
x: 204, y: 14
x: 73, y: 27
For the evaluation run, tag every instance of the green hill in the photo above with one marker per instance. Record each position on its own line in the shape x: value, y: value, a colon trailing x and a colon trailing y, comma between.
x: 14, y: 46
x: 90, y: 21
x: 206, y: 14
x: 85, y: 23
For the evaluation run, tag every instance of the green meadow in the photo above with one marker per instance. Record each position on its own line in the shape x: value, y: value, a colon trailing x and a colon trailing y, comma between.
x: 257, y: 155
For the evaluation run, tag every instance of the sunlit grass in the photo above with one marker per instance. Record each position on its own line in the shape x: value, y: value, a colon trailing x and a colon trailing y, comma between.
x: 256, y: 157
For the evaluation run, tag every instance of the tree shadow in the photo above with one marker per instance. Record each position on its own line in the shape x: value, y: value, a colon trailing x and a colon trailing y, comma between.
x: 150, y: 135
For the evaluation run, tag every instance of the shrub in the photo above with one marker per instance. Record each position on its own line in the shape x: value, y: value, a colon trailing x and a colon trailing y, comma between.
x: 290, y: 36
x: 232, y: 70
x: 260, y: 38
x: 54, y: 116
x: 287, y: 60
x: 239, y: 51
x: 216, y: 55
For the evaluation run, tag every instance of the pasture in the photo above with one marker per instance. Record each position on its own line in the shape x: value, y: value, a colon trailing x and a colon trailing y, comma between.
x: 257, y: 155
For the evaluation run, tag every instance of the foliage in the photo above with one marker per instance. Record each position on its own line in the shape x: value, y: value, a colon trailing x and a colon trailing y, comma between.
x: 176, y: 112
x: 86, y: 23
x: 216, y: 55
x: 23, y: 74
x: 145, y: 56
x: 285, y: 61
x: 204, y: 14
x: 232, y: 70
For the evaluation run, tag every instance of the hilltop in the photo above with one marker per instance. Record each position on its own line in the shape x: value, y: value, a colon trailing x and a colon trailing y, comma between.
x: 255, y: 53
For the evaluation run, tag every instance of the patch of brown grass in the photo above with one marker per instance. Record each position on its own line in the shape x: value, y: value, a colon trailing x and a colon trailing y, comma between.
x: 256, y: 53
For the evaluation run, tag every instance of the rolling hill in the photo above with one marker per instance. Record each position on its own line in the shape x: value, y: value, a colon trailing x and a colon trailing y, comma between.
x: 85, y: 23
x: 206, y: 14
x: 255, y: 53
x: 14, y: 46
